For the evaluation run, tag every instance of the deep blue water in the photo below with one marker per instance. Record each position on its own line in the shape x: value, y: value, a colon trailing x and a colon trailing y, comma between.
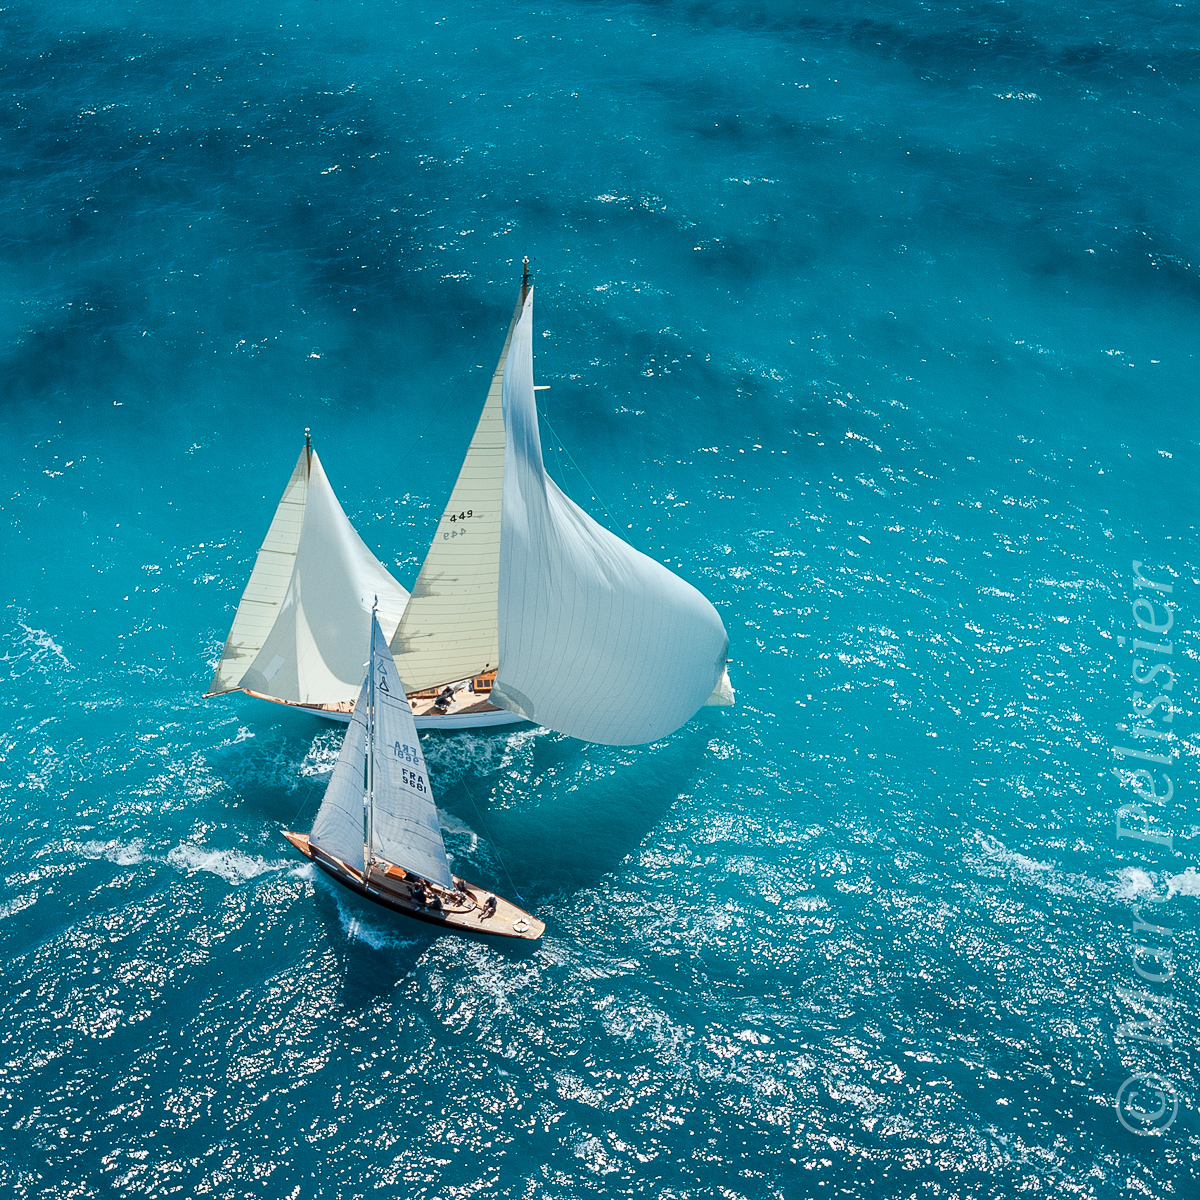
x: 878, y: 322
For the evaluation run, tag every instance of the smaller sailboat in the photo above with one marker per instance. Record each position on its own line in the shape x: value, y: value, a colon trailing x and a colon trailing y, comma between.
x: 377, y: 830
x: 297, y: 636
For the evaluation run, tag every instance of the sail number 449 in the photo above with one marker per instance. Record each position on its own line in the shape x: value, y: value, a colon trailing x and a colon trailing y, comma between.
x: 465, y: 515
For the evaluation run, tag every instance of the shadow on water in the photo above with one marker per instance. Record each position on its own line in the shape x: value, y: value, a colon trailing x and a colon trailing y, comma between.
x: 569, y: 817
x: 582, y: 809
x: 377, y: 948
x: 279, y: 764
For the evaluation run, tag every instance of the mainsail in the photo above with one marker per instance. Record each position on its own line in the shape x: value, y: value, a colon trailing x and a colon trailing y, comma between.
x: 450, y: 630
x: 305, y: 613
x: 590, y: 636
x: 381, y: 770
x: 403, y: 825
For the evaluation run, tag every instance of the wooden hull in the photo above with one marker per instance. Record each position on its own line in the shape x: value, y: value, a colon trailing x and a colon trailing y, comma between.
x: 389, y: 889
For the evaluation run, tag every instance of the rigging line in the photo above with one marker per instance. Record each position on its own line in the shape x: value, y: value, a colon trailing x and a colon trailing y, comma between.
x: 413, y: 444
x: 495, y: 846
x: 591, y: 487
x: 562, y: 475
x: 304, y: 803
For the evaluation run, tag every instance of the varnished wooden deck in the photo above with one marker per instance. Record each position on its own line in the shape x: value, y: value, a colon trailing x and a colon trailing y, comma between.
x: 392, y: 889
x: 463, y: 703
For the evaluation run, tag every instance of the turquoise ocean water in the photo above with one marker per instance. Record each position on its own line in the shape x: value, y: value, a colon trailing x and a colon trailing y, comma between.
x: 878, y: 322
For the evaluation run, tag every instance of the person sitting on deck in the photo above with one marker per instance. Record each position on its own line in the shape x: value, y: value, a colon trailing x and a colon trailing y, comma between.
x: 444, y: 700
x: 489, y: 909
x: 418, y: 895
x: 435, y: 903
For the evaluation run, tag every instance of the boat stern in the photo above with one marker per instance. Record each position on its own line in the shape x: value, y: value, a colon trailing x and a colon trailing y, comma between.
x: 300, y: 841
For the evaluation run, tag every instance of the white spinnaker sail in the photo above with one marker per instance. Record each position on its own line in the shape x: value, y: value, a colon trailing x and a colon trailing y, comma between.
x: 338, y: 829
x: 268, y: 585
x: 404, y: 824
x: 313, y: 652
x: 722, y: 696
x: 596, y: 639
x: 449, y: 629
x: 592, y: 638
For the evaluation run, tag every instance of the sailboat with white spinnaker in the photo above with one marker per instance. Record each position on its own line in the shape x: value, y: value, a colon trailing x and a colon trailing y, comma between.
x: 585, y: 634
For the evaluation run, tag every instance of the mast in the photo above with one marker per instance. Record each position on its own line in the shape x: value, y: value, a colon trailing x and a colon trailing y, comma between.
x: 369, y: 798
x: 308, y: 447
x: 526, y: 278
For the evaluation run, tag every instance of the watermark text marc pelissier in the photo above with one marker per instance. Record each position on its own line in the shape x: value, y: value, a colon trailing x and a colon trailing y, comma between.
x: 1145, y: 828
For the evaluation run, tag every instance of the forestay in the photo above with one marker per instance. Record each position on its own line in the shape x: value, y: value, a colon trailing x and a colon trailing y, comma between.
x: 596, y: 639
x: 313, y: 652
x: 404, y: 824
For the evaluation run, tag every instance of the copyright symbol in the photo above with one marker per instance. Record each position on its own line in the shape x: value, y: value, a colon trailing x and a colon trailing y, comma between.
x: 1147, y: 1104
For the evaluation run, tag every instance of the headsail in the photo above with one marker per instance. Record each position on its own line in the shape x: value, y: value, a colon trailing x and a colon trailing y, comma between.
x: 404, y: 823
x: 268, y: 584
x: 722, y: 695
x: 339, y: 827
x: 298, y: 637
x: 591, y: 637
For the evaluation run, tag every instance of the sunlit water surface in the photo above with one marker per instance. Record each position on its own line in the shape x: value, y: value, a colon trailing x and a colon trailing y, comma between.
x: 877, y: 322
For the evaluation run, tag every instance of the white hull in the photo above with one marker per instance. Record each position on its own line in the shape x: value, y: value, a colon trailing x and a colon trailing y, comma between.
x: 491, y: 718
x: 449, y: 723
